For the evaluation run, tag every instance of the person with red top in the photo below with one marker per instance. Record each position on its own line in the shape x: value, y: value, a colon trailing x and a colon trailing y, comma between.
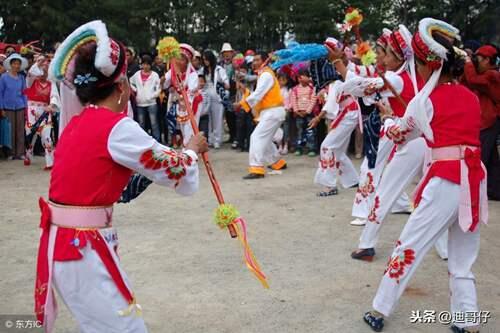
x: 97, y: 152
x: 481, y: 75
x: 39, y: 94
x: 407, y: 161
x: 452, y: 194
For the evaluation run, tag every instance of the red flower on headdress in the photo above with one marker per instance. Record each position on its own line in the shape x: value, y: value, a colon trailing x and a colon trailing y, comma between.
x: 115, y: 52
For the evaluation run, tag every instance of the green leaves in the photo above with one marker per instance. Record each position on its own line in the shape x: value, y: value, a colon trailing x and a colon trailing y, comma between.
x: 258, y: 24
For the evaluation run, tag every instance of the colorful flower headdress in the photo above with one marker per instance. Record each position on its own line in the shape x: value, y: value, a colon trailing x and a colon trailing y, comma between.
x: 109, y: 58
x: 383, y: 40
x: 400, y: 43
x: 433, y: 54
x: 424, y: 45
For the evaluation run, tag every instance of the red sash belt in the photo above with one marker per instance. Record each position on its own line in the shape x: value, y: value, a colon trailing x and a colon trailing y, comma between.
x: 473, y: 207
x: 85, y: 222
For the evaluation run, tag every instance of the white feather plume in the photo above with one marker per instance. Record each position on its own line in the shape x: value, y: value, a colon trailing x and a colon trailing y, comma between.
x: 425, y: 28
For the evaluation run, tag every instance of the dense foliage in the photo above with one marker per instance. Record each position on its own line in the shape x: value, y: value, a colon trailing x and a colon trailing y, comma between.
x: 246, y: 24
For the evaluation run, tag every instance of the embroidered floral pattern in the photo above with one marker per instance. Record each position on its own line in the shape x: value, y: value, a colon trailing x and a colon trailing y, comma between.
x: 115, y: 52
x: 397, y: 264
x: 173, y: 162
x: 373, y: 213
x: 337, y: 165
x: 326, y: 161
x: 367, y: 188
x: 397, y: 135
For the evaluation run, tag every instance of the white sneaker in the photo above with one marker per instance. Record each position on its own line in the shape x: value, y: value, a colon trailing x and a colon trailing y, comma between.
x: 358, y: 222
x: 216, y: 146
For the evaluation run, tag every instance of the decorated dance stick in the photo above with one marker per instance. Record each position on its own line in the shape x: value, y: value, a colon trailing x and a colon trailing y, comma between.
x: 352, y: 21
x: 226, y: 215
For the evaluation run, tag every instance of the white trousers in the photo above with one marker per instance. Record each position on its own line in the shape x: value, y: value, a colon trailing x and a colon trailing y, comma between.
x: 436, y: 213
x: 333, y: 155
x: 91, y: 295
x: 407, y: 163
x: 369, y: 179
x: 216, y: 119
x: 262, y: 149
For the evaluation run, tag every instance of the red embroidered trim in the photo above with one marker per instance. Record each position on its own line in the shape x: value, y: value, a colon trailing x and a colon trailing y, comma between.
x: 373, y: 213
x: 174, y: 163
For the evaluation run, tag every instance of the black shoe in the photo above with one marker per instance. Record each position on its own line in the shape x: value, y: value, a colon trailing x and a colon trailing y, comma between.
x: 456, y: 329
x: 354, y: 186
x: 365, y: 254
x: 333, y: 191
x: 376, y: 324
x: 253, y: 176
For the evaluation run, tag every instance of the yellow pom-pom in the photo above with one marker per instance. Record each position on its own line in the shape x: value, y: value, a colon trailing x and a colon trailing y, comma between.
x: 168, y: 48
x: 369, y: 58
x: 225, y: 214
x: 353, y: 16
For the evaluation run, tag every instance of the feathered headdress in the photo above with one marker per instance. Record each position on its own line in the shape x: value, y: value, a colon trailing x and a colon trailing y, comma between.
x: 109, y: 58
x: 432, y: 53
x: 424, y: 45
x: 110, y: 61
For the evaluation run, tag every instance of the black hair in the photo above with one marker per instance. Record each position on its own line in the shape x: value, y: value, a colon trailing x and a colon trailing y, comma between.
x: 303, y: 72
x: 15, y: 59
x: 147, y: 59
x: 454, y: 64
x: 92, y: 91
x: 201, y: 76
x: 283, y: 75
x: 263, y: 55
x: 212, y: 60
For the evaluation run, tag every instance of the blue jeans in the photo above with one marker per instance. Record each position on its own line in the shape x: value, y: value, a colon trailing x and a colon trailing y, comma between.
x: 152, y: 111
x: 306, y: 137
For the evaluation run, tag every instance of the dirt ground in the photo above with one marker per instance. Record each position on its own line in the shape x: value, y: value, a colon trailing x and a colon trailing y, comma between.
x: 189, y: 276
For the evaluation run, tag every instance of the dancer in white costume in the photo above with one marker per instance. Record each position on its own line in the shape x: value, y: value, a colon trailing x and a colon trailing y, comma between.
x: 452, y: 195
x: 345, y: 111
x: 267, y: 105
x: 188, y: 80
x: 405, y: 165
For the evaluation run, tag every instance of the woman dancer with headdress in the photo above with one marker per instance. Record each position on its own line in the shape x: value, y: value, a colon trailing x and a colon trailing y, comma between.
x: 77, y: 252
x: 452, y: 195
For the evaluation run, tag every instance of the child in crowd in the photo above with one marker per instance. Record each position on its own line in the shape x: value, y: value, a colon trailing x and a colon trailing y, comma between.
x: 245, y: 82
x: 303, y: 101
x: 285, y: 92
x: 203, y: 110
x: 145, y: 84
